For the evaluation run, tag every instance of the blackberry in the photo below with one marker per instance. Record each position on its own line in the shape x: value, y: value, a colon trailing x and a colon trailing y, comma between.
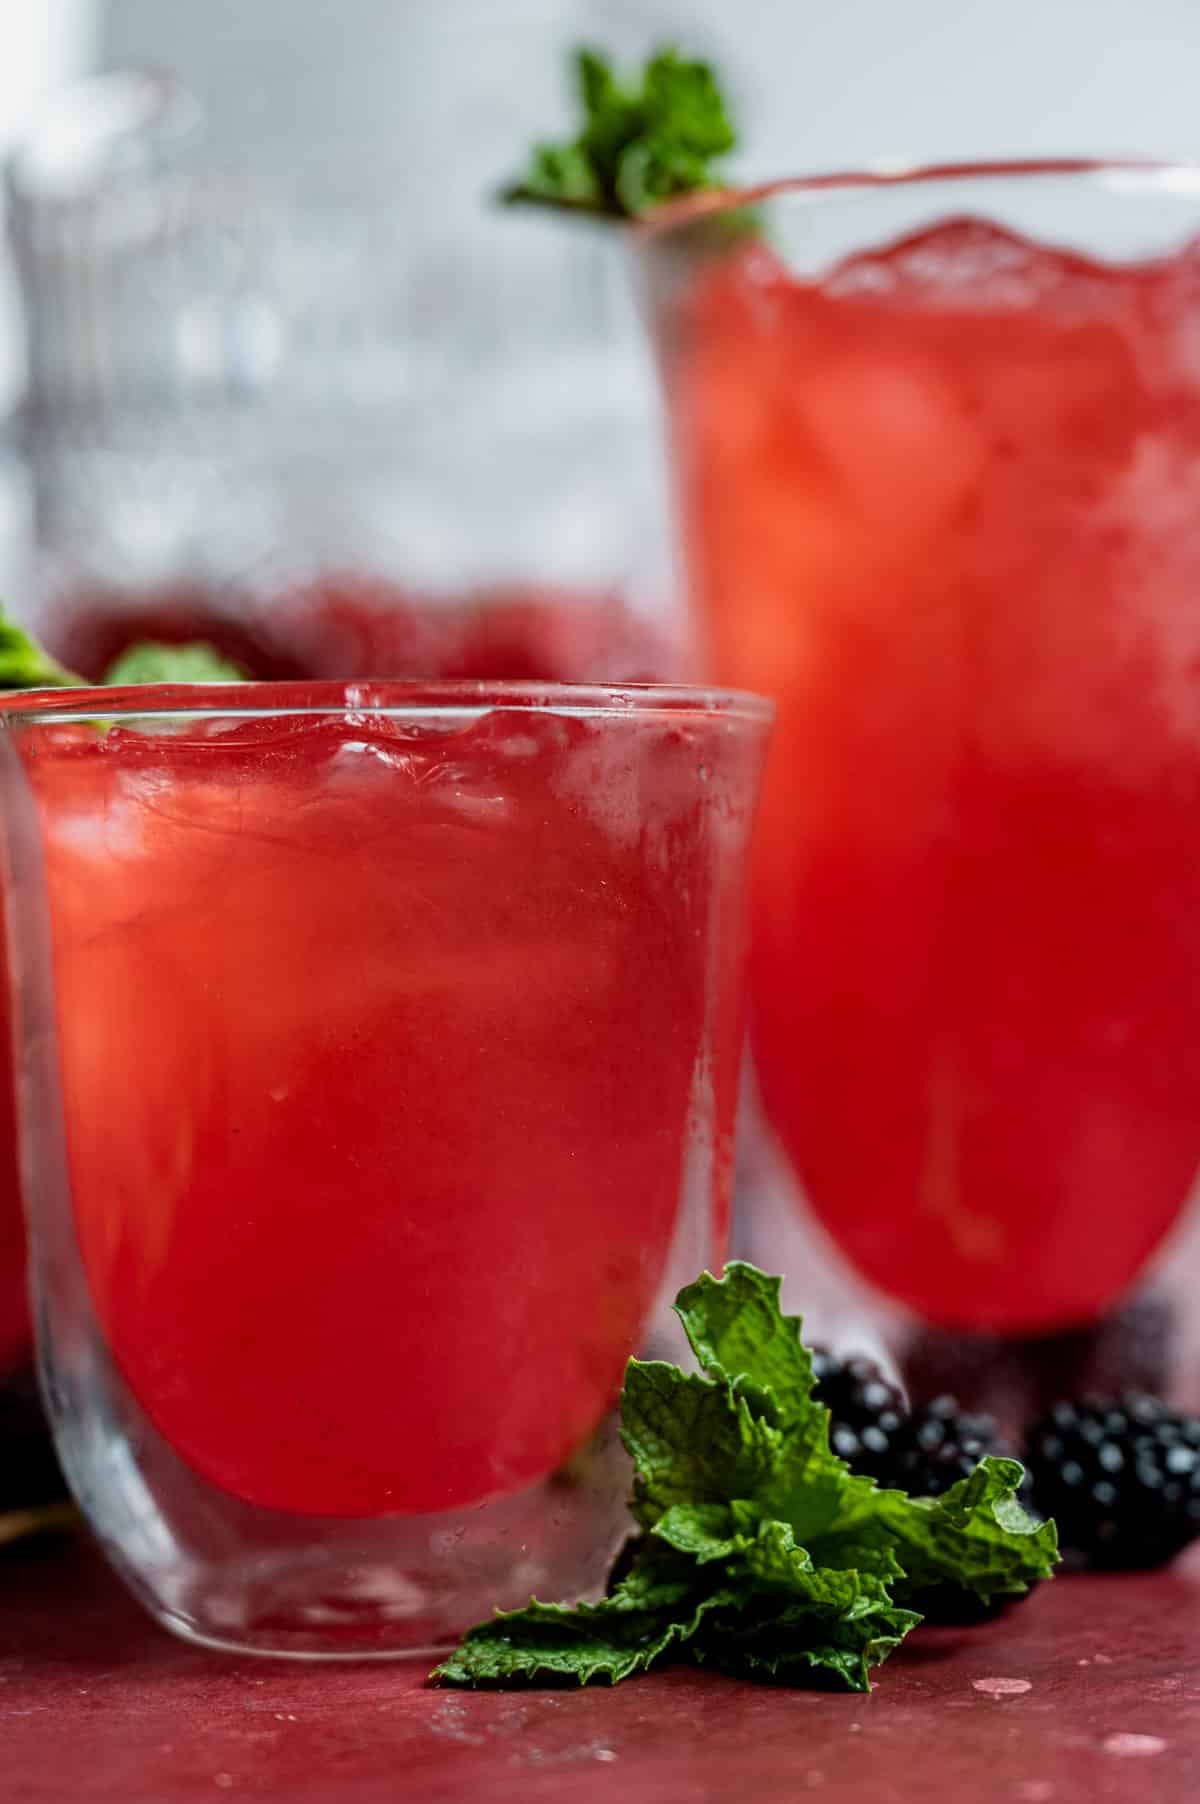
x: 942, y: 1444
x: 1120, y: 1476
x: 923, y: 1452
x: 869, y: 1414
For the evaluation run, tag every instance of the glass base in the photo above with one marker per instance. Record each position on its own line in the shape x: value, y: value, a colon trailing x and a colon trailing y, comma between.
x: 229, y: 1575
x: 268, y: 1649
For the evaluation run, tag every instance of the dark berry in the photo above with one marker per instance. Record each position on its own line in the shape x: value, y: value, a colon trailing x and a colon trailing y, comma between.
x: 923, y: 1453
x: 943, y: 1444
x: 868, y: 1413
x: 1121, y: 1478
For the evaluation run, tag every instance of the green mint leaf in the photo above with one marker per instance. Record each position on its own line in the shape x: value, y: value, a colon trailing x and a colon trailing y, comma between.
x: 691, y: 1441
x: 704, y: 1531
x: 761, y: 1553
x: 976, y: 1535
x: 740, y: 1336
x: 684, y: 105
x: 149, y: 661
x: 868, y: 1547
x: 651, y: 1576
x: 737, y: 1330
x: 24, y: 664
x: 647, y: 1616
x: 801, y: 1623
x: 800, y: 1645
x: 638, y: 144
x: 583, y: 1642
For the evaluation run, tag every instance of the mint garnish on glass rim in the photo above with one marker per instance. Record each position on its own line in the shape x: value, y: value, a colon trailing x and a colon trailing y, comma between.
x: 760, y: 1552
x: 639, y: 143
x: 25, y: 664
x: 151, y: 661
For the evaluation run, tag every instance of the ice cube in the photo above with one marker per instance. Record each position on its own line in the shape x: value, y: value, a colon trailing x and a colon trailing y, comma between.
x: 967, y: 262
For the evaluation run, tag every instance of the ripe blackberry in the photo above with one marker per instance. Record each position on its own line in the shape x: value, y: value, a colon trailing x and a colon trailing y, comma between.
x: 942, y: 1445
x: 869, y: 1414
x: 1120, y: 1476
x: 923, y: 1452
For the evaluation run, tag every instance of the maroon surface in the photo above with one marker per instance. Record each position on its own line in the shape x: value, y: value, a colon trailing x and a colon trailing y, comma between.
x: 97, y: 1706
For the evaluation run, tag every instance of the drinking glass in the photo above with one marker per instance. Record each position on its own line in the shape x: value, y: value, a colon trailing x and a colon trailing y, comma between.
x: 377, y: 1054
x: 936, y: 442
x: 284, y: 419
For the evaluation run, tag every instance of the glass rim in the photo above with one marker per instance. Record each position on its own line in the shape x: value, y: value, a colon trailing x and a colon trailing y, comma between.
x: 389, y: 698
x: 1177, y: 174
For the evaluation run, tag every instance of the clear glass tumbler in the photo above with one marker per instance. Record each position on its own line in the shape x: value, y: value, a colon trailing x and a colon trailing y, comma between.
x: 937, y: 458
x: 377, y: 1054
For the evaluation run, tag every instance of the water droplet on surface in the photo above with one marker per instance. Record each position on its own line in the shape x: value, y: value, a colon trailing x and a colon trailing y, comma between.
x: 1133, y: 1745
x: 1002, y: 1688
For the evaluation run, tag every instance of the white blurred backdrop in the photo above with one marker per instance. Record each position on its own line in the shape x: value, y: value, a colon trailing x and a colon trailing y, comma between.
x: 426, y: 104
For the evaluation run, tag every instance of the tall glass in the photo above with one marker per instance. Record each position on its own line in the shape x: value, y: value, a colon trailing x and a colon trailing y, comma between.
x: 377, y: 1050
x: 937, y: 453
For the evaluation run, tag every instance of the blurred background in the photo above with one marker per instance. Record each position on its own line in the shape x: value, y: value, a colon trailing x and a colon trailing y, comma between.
x: 279, y: 350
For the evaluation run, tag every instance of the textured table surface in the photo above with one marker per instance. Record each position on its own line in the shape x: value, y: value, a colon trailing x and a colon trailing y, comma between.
x: 1090, y: 1691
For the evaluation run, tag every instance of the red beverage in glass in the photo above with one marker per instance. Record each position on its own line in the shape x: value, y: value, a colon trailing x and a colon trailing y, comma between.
x: 942, y: 500
x: 344, y: 624
x: 339, y: 626
x: 390, y: 1051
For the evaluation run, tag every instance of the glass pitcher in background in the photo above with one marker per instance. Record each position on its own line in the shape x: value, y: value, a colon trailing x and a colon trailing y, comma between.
x: 284, y: 422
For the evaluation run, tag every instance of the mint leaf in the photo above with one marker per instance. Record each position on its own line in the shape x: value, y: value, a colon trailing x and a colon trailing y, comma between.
x: 691, y: 1442
x: 638, y: 144
x: 652, y: 1612
x: 868, y: 1547
x: 797, y: 1645
x: 761, y: 1552
x: 739, y: 1334
x: 736, y: 1329
x: 25, y: 665
x: 705, y: 1531
x: 149, y: 661
x: 798, y: 1620
x: 976, y: 1535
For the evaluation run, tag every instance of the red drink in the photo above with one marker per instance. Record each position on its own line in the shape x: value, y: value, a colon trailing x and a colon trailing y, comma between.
x: 944, y: 505
x: 340, y: 626
x: 388, y: 1047
x: 344, y: 624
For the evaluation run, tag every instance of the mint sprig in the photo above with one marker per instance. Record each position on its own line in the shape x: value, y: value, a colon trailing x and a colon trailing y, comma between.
x: 150, y: 661
x: 639, y: 143
x: 760, y: 1552
x: 24, y: 664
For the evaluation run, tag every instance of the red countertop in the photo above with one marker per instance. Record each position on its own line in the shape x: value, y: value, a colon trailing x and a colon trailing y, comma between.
x: 1089, y: 1692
